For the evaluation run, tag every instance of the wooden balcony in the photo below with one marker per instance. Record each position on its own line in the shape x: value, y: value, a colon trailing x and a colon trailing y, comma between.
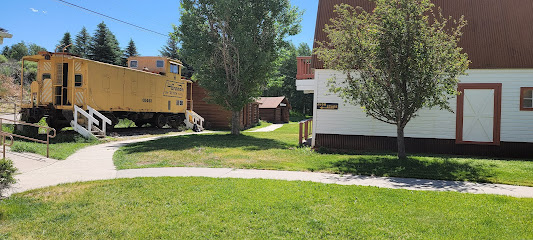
x: 304, y: 70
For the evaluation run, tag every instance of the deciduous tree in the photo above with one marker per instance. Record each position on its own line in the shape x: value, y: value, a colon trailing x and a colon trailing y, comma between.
x: 233, y: 44
x: 398, y: 59
x: 283, y: 82
x: 17, y: 51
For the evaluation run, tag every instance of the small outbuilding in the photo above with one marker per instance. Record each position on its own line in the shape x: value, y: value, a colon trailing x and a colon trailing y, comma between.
x: 274, y: 109
x: 216, y: 117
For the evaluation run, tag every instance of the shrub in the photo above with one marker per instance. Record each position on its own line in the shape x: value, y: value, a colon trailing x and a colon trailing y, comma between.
x: 7, y: 171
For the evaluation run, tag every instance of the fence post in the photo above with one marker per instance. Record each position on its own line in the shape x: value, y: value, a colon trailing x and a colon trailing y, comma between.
x: 47, y: 143
x: 311, y: 126
x: 306, y: 129
x: 300, y: 134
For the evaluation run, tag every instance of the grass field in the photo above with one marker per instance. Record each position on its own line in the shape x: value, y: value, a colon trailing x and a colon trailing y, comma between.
x: 204, y: 208
x: 63, y: 145
x: 278, y: 150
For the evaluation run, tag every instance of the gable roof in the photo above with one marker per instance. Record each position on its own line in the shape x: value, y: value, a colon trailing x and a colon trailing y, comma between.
x: 270, y: 102
x: 498, y: 33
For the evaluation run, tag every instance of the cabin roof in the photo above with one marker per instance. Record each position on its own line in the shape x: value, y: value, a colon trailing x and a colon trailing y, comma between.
x: 270, y: 102
x: 498, y: 33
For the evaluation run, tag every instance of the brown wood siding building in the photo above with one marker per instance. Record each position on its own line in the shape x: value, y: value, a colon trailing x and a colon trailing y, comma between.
x: 274, y: 109
x: 217, y: 117
x: 494, y: 37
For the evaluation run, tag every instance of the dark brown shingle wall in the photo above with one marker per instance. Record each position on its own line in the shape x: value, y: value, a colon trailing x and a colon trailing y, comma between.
x: 499, y: 33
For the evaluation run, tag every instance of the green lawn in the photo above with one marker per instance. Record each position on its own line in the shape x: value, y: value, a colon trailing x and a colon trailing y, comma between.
x: 278, y: 150
x: 62, y: 146
x: 205, y: 208
x: 262, y: 124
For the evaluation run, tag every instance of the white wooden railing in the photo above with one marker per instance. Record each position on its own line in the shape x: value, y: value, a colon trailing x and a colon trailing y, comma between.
x: 87, y: 131
x: 105, y: 120
x: 192, y: 119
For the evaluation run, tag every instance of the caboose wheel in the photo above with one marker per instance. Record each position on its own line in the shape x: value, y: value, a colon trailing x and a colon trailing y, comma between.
x: 160, y: 120
x: 140, y: 123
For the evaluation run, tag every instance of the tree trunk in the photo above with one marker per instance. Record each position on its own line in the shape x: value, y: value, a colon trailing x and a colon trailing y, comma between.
x: 401, y: 143
x: 236, y: 123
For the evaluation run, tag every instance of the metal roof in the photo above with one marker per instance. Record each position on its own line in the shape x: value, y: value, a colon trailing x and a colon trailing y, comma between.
x: 498, y: 35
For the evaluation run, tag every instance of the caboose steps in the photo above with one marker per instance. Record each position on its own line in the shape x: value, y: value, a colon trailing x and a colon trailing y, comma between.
x: 90, y: 130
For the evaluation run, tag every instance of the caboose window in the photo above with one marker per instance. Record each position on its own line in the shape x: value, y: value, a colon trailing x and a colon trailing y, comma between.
x: 78, y: 80
x: 133, y: 64
x: 47, y: 76
x: 160, y: 63
x: 174, y: 68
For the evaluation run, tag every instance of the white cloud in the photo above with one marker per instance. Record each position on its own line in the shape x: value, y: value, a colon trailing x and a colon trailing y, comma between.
x: 34, y: 10
x: 45, y: 12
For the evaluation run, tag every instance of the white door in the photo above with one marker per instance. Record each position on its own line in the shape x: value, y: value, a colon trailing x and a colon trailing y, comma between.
x: 479, y: 113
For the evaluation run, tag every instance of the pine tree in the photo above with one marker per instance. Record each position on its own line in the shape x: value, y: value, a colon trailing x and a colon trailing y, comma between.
x: 64, y: 42
x: 104, y: 46
x: 170, y: 50
x: 5, y: 51
x: 81, y: 45
x: 130, y: 51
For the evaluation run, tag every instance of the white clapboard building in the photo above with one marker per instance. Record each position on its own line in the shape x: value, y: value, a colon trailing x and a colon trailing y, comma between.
x: 493, y: 116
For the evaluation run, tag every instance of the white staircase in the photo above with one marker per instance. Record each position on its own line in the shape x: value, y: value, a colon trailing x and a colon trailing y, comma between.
x: 89, y: 129
x: 194, y: 121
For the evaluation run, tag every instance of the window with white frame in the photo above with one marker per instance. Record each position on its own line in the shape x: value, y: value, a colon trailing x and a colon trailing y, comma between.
x: 160, y: 63
x: 174, y: 68
x: 133, y: 64
x: 526, y: 99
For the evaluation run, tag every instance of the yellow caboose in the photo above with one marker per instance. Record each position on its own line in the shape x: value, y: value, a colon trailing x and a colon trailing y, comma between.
x: 149, y: 90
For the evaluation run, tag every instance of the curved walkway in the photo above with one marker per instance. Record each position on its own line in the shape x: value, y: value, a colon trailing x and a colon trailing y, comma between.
x: 268, y: 128
x: 96, y: 163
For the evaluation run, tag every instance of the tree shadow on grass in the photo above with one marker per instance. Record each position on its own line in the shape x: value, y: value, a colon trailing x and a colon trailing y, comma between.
x: 179, y: 143
x: 438, y: 169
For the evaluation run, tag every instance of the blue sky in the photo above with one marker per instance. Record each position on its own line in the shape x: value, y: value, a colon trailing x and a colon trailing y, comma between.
x: 45, y: 21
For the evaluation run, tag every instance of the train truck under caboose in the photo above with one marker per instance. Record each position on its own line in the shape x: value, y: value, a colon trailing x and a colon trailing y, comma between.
x: 150, y: 90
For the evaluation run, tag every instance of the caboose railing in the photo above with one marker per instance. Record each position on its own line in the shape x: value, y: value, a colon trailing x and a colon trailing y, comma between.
x: 88, y: 131
x: 105, y: 120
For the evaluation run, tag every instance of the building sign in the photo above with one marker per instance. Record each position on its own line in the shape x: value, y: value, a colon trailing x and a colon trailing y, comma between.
x: 330, y: 106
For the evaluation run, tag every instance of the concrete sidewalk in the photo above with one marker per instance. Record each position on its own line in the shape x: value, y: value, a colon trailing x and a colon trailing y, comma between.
x: 268, y: 128
x: 96, y: 163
